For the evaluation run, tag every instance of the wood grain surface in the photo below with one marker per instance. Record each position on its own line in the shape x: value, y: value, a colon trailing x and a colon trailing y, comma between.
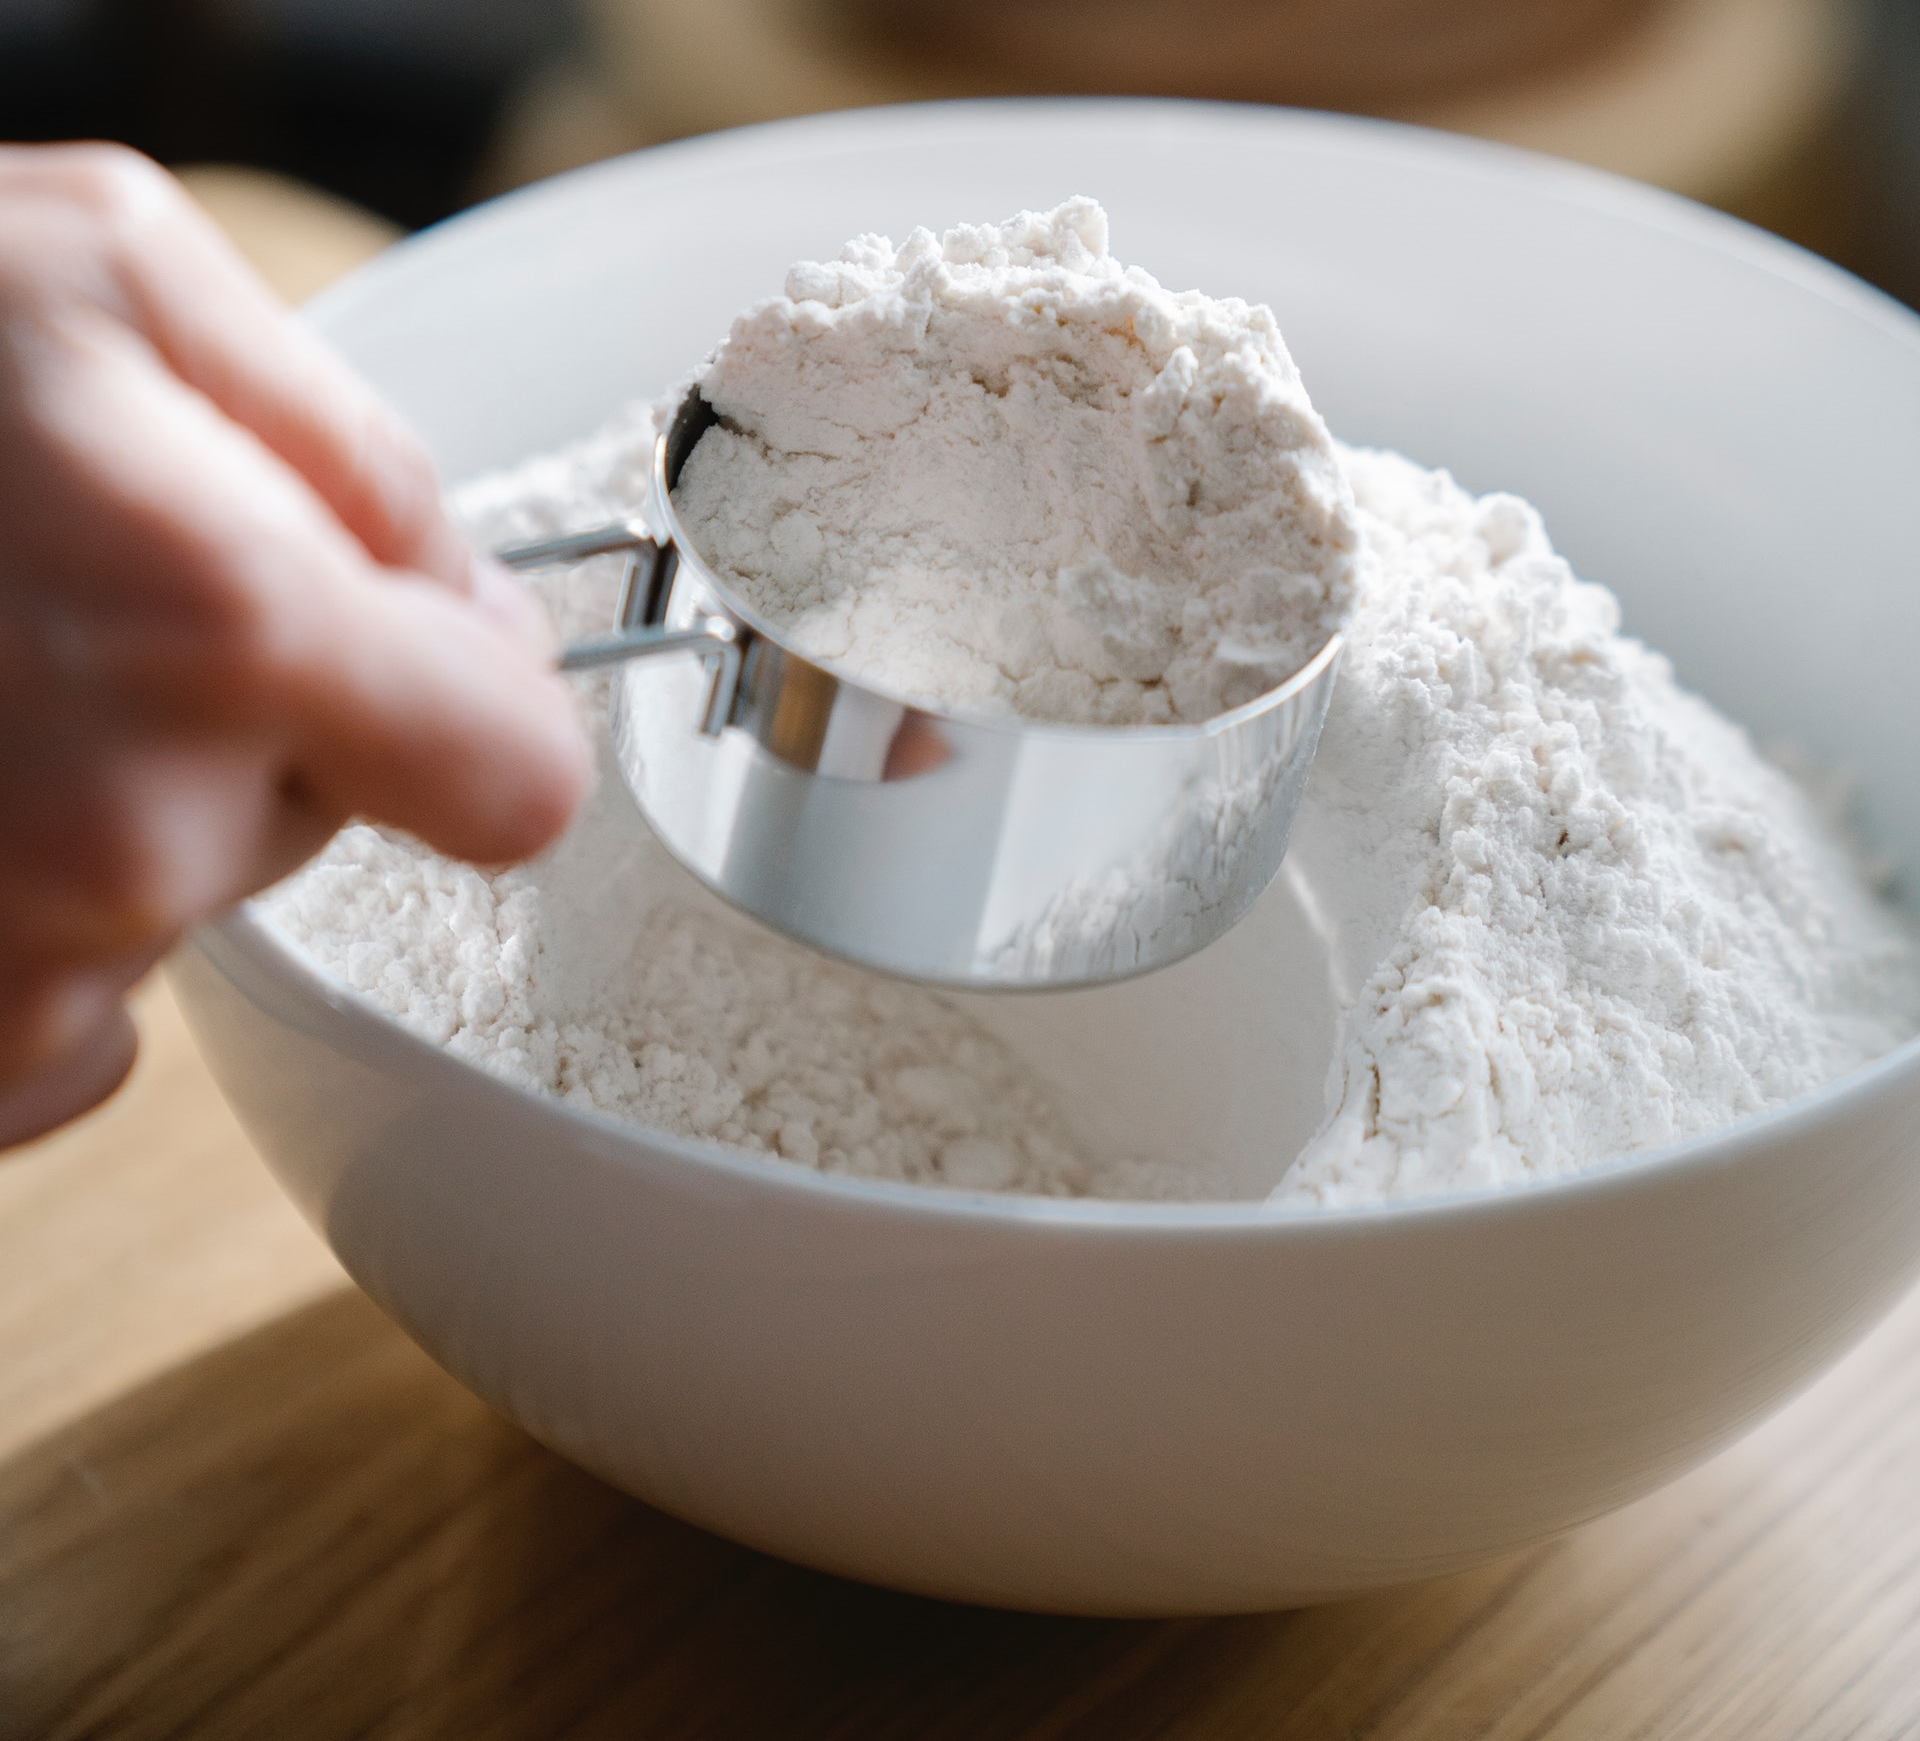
x: 235, y: 1502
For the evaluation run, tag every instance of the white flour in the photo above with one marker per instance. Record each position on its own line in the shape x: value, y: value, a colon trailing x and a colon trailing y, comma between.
x: 694, y: 1022
x: 998, y: 469
x: 1572, y: 912
x: 1568, y: 912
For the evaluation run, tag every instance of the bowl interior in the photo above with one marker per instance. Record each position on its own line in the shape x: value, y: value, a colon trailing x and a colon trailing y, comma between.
x: 1721, y: 428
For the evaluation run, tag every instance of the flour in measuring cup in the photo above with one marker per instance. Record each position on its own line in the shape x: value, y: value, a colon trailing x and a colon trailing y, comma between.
x: 995, y: 469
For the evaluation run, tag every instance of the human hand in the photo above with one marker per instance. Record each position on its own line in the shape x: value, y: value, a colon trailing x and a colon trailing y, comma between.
x: 232, y: 615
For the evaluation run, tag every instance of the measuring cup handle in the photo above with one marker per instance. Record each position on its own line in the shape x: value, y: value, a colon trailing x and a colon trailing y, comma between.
x: 635, y: 637
x: 577, y: 546
x: 714, y: 637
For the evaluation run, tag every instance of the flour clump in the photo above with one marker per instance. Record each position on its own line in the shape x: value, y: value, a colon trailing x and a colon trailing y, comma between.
x: 996, y: 469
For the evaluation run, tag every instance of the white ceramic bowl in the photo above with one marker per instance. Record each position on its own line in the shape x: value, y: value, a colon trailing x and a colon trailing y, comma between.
x: 1135, y: 1409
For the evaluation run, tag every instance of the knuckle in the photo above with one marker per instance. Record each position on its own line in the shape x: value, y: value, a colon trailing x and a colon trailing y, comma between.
x: 121, y: 194
x: 114, y: 181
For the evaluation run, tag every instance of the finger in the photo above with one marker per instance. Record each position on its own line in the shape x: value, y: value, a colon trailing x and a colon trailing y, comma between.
x: 388, y: 695
x: 433, y: 724
x: 222, y: 331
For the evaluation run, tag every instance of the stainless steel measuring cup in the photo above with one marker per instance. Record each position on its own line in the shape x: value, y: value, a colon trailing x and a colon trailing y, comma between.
x: 970, y: 851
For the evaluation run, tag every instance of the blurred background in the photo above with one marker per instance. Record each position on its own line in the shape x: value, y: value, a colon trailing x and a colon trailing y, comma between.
x: 318, y: 129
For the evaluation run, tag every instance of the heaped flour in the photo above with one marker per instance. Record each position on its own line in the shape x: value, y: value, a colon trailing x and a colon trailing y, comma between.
x: 1573, y: 912
x: 999, y: 470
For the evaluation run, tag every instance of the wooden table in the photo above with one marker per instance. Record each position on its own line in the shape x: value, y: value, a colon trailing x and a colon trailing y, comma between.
x: 235, y: 1502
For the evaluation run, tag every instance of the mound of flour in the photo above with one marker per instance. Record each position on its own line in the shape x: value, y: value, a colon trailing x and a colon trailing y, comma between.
x: 1568, y: 910
x: 665, y: 1008
x: 1573, y: 913
x: 998, y: 469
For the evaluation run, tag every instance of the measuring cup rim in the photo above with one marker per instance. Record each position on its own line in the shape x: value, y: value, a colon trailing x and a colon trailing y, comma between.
x: 673, y: 531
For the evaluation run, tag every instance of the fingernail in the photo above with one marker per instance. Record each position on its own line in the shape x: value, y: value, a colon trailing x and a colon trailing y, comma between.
x: 511, y: 603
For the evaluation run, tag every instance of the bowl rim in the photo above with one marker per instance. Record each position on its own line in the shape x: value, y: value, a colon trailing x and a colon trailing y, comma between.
x: 248, y: 932
x: 1329, y: 132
